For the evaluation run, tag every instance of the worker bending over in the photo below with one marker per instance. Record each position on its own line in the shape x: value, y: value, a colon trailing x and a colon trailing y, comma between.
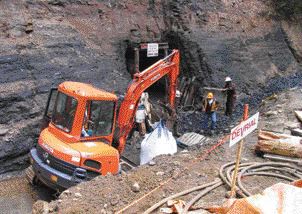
x: 210, y: 106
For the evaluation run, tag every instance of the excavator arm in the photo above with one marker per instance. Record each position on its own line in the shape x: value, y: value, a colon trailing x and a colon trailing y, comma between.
x: 168, y: 66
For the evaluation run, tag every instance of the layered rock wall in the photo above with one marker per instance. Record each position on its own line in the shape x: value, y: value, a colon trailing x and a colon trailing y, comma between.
x: 43, y: 43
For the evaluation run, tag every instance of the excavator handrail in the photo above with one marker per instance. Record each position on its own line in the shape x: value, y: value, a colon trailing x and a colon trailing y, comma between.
x: 168, y: 66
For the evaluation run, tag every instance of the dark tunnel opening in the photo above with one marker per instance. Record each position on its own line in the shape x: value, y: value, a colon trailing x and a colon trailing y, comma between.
x: 158, y: 91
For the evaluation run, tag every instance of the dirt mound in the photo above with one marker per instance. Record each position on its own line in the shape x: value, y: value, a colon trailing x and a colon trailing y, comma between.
x: 115, y: 192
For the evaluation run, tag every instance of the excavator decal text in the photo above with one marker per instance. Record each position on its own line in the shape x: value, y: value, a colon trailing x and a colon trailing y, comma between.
x: 155, y: 77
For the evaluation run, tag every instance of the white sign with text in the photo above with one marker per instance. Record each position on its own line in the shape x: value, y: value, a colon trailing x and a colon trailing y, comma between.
x: 152, y: 50
x: 244, y: 129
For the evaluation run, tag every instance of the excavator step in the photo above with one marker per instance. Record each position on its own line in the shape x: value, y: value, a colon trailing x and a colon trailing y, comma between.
x: 191, y: 139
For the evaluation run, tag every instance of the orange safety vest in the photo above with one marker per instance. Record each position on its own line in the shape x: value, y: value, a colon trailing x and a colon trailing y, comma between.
x: 214, y: 105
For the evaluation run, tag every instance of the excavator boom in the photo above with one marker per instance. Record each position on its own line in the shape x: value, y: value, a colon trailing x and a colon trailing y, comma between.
x: 169, y: 66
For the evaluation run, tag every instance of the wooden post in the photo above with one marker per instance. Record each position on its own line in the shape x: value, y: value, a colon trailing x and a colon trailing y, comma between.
x: 136, y: 60
x: 238, y: 158
x: 166, y: 51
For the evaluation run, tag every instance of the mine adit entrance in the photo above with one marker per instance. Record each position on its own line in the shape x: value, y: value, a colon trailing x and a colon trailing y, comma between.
x: 137, y: 60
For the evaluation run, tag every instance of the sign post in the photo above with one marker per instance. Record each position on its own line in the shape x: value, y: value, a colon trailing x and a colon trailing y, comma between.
x: 237, y: 134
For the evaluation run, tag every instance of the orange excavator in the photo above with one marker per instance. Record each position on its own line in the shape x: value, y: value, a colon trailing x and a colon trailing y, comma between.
x: 81, y: 137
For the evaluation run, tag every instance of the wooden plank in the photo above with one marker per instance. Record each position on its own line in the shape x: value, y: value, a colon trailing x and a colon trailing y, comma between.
x: 191, y: 139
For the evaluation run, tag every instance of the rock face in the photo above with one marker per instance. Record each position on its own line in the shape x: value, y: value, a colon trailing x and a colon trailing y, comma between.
x: 279, y: 111
x: 233, y: 38
x: 46, y: 42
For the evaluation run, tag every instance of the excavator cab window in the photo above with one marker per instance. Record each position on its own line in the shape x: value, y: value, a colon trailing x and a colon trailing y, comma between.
x: 98, y: 118
x: 64, y: 112
x: 51, y: 102
x: 49, y: 107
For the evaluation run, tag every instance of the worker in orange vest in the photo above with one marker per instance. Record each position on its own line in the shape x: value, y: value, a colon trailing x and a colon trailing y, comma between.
x: 210, y: 106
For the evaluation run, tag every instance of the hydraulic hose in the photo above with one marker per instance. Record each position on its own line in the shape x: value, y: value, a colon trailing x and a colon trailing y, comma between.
x: 221, y: 173
x: 254, y: 168
x: 259, y: 165
x: 185, y: 192
x: 225, y: 174
x: 201, y: 194
x: 227, y: 178
x: 292, y: 172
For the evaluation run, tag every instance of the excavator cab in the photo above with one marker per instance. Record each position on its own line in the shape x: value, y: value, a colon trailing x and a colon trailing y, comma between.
x: 75, y: 144
x: 95, y: 111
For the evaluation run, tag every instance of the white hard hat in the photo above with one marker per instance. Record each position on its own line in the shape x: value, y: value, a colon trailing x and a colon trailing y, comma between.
x: 228, y: 79
x: 143, y: 95
x: 178, y: 94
